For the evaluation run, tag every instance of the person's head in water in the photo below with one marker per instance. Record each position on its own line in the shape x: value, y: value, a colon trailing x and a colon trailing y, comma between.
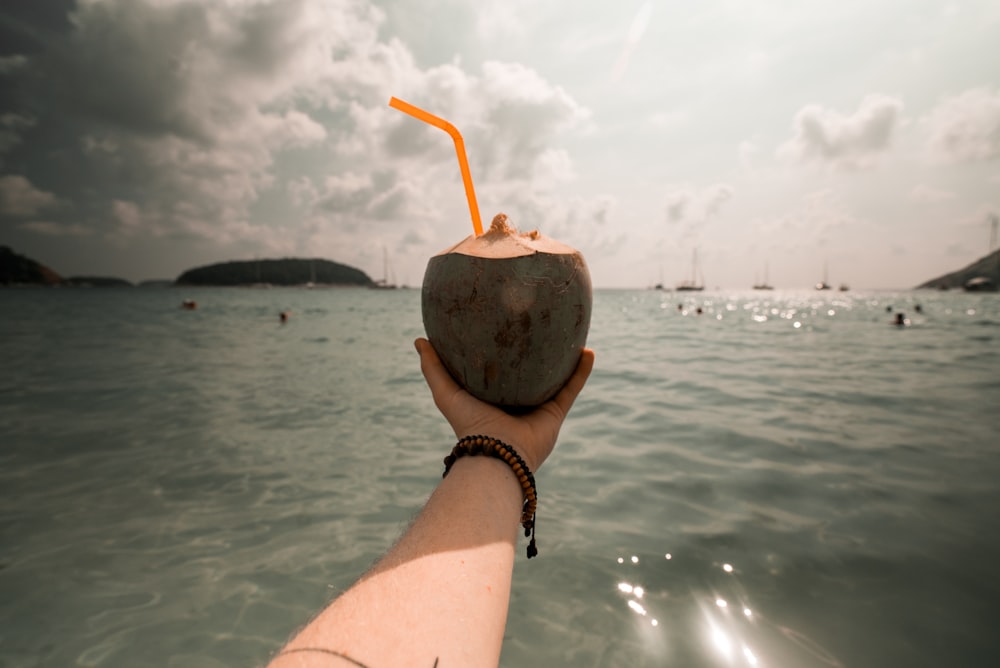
x: 900, y: 318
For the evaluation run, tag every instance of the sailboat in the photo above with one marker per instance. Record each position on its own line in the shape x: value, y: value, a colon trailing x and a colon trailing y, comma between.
x: 383, y: 283
x: 823, y: 285
x: 659, y: 284
x: 765, y: 285
x: 312, y: 275
x: 692, y: 285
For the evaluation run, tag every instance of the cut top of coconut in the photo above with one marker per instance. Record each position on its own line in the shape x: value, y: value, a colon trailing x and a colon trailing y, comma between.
x: 503, y: 240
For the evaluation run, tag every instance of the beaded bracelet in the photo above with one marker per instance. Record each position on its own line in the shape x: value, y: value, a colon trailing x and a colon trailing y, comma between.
x: 486, y: 445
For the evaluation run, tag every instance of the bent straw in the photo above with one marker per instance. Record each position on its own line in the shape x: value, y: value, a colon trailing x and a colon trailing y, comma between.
x: 463, y: 163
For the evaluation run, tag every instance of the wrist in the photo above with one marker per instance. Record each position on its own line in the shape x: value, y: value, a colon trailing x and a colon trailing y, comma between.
x: 517, y: 443
x: 490, y: 447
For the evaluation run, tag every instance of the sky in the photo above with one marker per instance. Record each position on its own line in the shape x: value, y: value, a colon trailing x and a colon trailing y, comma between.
x: 796, y: 138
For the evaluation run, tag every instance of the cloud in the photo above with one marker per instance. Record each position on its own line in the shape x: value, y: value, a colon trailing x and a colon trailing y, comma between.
x: 253, y: 127
x: 128, y: 215
x: 589, y: 224
x: 190, y: 124
x: 930, y: 195
x: 19, y: 198
x: 830, y: 138
x: 12, y: 127
x: 819, y: 219
x: 522, y: 114
x: 10, y: 64
x: 50, y: 229
x: 965, y: 128
x: 689, y: 204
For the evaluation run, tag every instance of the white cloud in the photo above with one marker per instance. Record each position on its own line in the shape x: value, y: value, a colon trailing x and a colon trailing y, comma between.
x: 965, y: 128
x: 686, y: 203
x: 817, y: 221
x: 522, y: 113
x: 830, y: 138
x: 501, y: 19
x: 18, y: 197
x: 930, y: 195
x: 552, y: 167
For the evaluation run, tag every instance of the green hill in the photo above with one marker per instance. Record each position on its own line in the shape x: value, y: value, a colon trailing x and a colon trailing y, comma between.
x: 20, y: 270
x: 288, y: 271
x: 986, y: 267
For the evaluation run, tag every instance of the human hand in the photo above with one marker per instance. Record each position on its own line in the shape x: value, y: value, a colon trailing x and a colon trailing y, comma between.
x: 533, y: 434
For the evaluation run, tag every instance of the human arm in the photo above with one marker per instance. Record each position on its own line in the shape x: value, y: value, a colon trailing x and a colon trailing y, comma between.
x: 439, y: 597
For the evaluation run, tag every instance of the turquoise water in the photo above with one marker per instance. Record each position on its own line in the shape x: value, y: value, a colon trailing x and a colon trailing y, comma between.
x: 186, y: 488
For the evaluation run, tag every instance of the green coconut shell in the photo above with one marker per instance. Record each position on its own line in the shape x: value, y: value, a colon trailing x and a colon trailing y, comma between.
x: 508, y: 314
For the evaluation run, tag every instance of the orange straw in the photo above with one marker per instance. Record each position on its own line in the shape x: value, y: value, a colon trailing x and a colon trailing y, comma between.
x: 463, y: 163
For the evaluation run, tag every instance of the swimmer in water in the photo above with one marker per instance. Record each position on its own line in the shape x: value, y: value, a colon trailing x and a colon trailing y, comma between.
x: 901, y: 320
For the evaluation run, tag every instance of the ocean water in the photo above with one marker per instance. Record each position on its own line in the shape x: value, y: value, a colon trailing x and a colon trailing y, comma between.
x: 783, y: 480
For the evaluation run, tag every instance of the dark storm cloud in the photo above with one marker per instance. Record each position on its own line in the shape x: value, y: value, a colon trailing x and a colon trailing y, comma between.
x: 249, y: 127
x: 26, y: 25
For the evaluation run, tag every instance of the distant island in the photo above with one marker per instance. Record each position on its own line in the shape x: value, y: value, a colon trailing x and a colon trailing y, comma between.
x: 287, y: 271
x: 983, y: 275
x: 18, y: 270
x: 96, y: 282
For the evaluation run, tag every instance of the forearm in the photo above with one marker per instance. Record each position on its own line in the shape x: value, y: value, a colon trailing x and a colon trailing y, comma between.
x: 441, y: 593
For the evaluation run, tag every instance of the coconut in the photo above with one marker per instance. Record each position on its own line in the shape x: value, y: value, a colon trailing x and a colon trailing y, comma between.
x: 508, y: 314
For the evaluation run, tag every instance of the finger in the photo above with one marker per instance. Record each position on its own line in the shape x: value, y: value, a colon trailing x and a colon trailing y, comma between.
x: 567, y: 395
x: 443, y: 387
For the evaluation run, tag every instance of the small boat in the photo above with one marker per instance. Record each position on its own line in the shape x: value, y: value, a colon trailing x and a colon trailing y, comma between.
x: 765, y: 285
x: 823, y: 285
x: 692, y: 285
x: 384, y: 282
x: 979, y: 284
